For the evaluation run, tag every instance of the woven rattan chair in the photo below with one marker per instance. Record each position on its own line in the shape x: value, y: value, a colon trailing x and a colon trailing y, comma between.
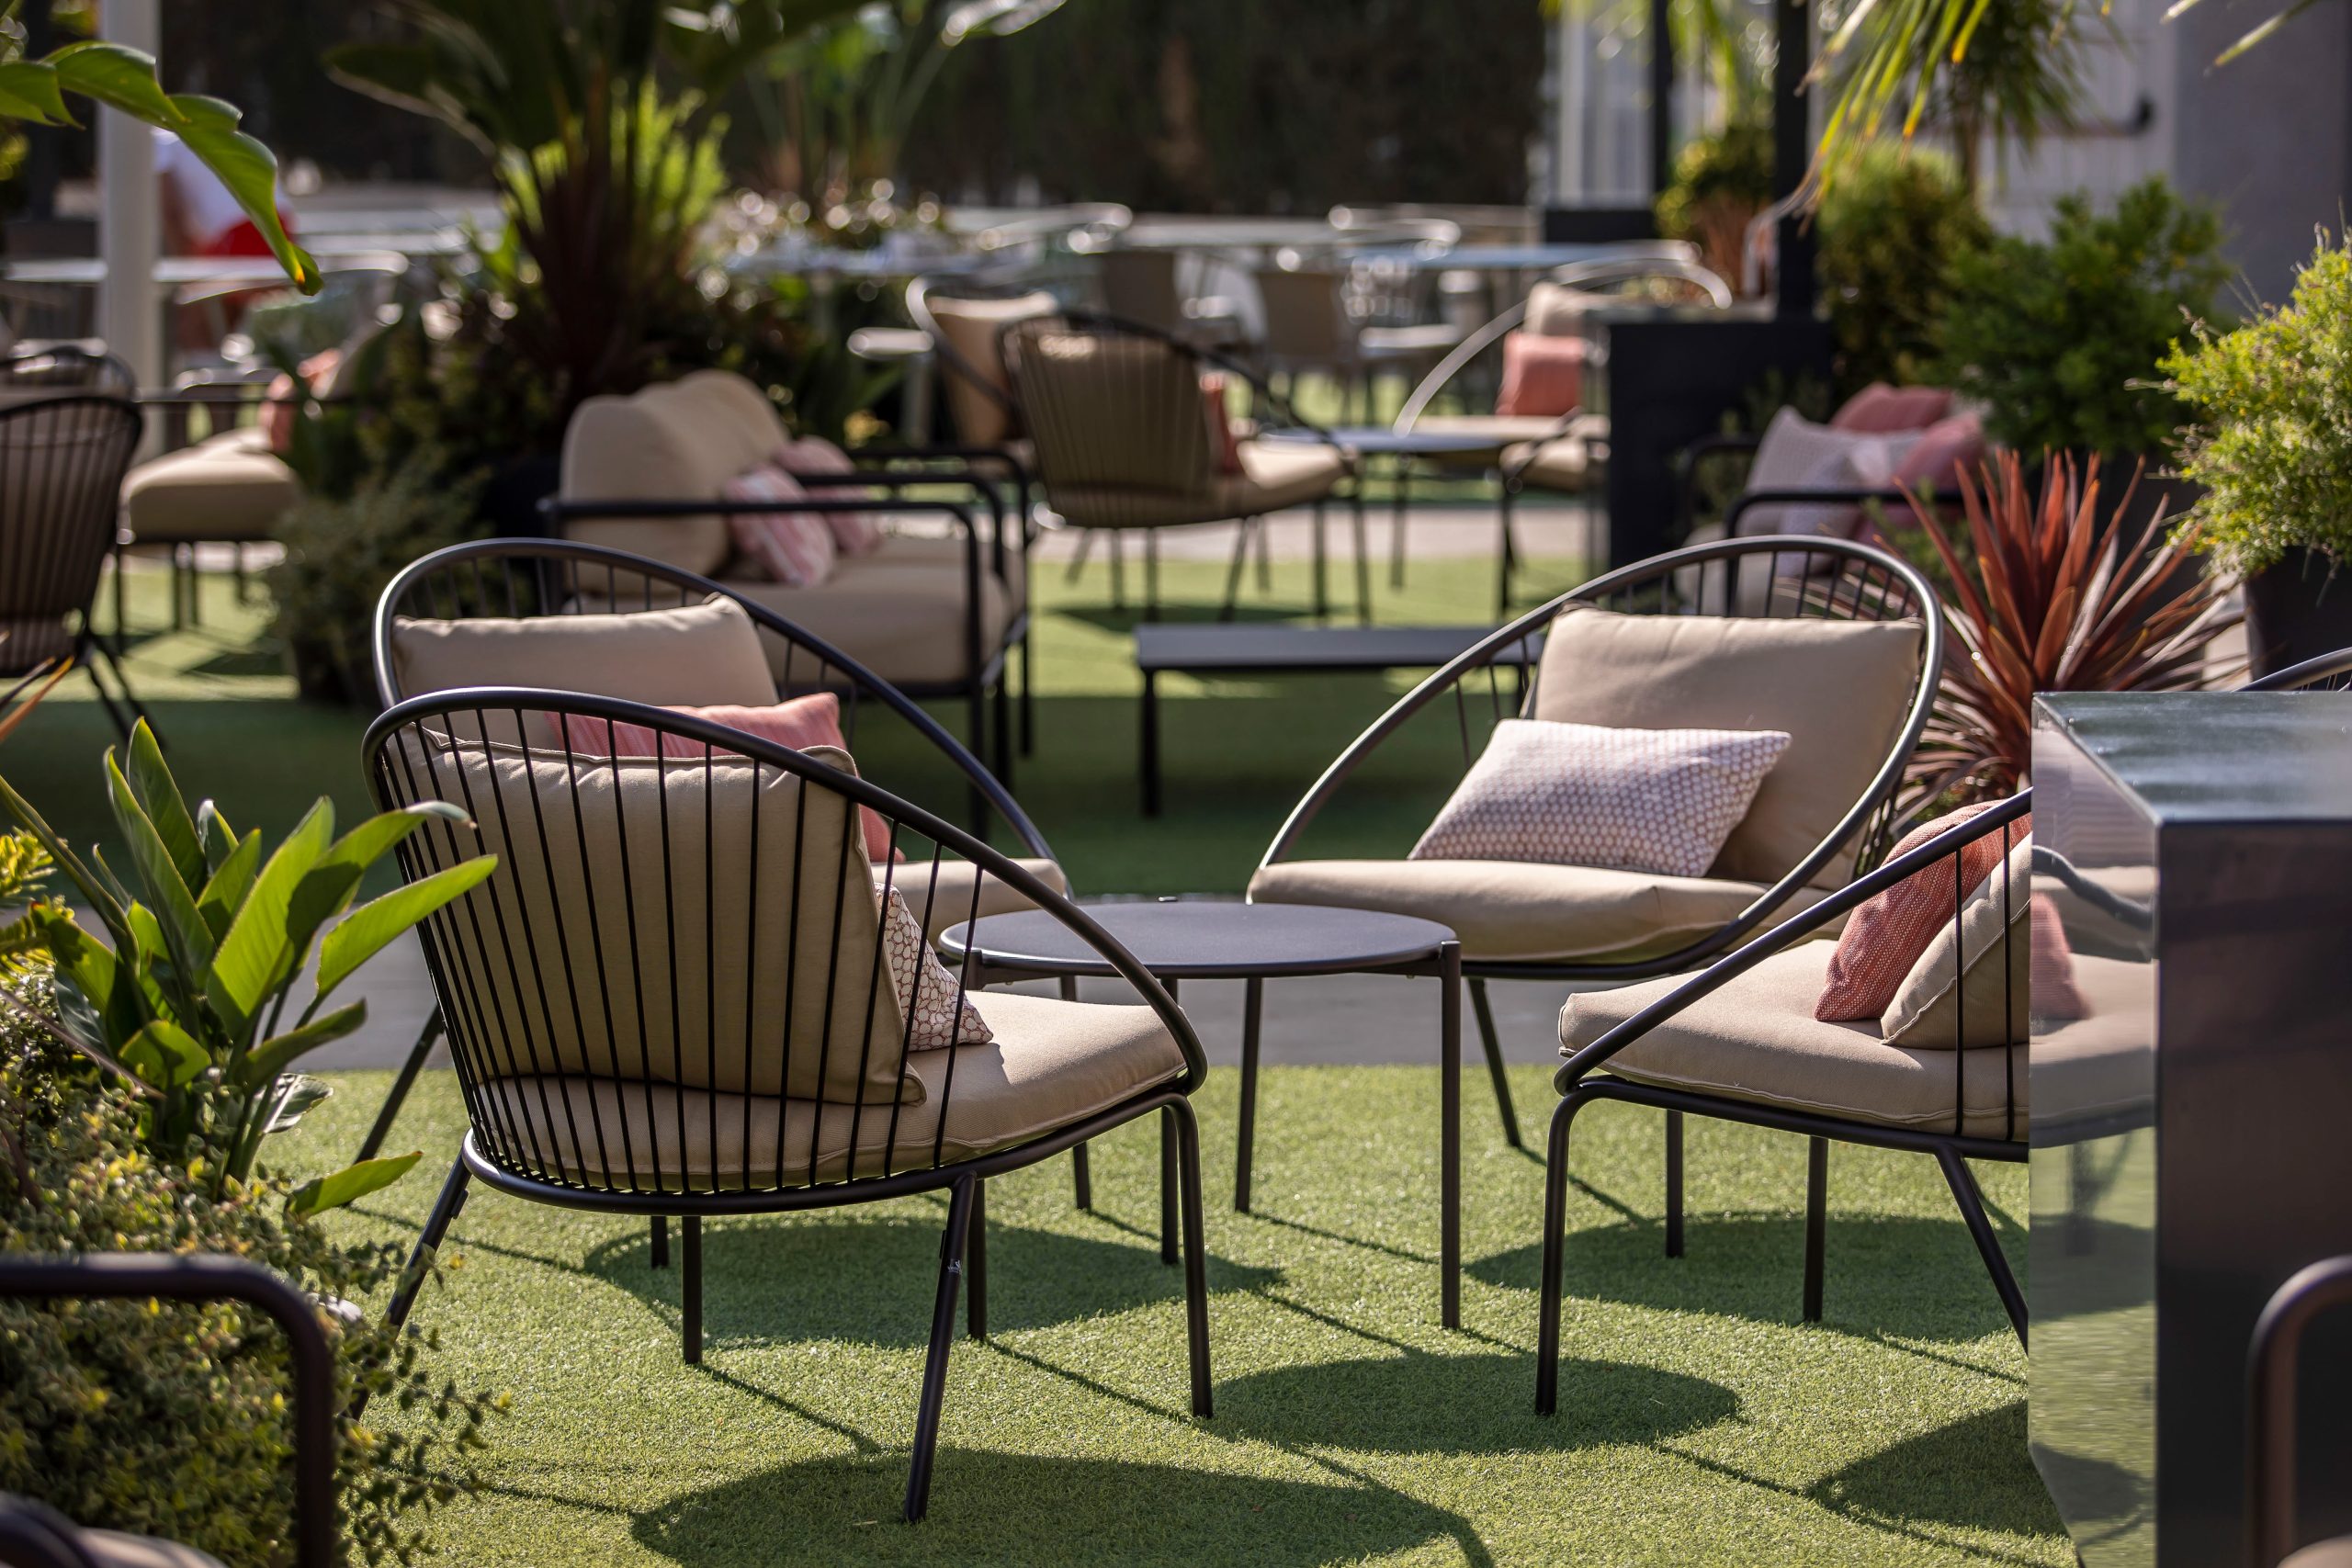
x: 676, y: 995
x: 1848, y: 661
x: 1739, y: 1043
x: 1124, y: 438
x: 510, y: 611
x: 62, y: 464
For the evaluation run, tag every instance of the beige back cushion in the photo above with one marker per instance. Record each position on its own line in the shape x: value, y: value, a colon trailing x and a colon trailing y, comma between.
x: 679, y: 440
x: 678, y: 922
x: 1840, y: 688
x: 1115, y: 411
x: 704, y: 655
x: 1991, y: 1003
x: 970, y: 327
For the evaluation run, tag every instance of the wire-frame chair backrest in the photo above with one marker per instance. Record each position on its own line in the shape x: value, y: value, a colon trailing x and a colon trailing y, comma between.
x: 522, y: 579
x: 48, y: 369
x: 1307, y: 323
x: 61, y: 465
x: 1114, y: 407
x: 1142, y: 283
x: 1821, y: 578
x: 2327, y: 673
x: 686, y: 974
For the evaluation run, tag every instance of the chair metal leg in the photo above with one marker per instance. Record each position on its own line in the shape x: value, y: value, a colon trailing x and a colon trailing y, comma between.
x: 975, y: 1267
x: 106, y: 699
x: 1489, y: 1042
x: 1118, y: 570
x: 1363, y: 573
x: 1151, y: 574
x: 121, y: 608
x: 1000, y: 727
x: 1502, y: 585
x: 1674, y: 1184
x: 1233, y: 573
x: 1965, y: 1193
x: 1253, y: 1009
x: 690, y: 1233
x: 1396, y: 527
x: 446, y: 1209
x: 1449, y: 1100
x: 658, y: 1244
x: 1168, y: 1177
x: 1178, y: 1117
x: 1265, y: 557
x: 400, y: 1086
x: 1816, y: 1222
x: 1077, y: 557
x: 1029, y: 687
x: 1081, y: 1171
x: 943, y: 1335
x: 114, y: 662
x: 1555, y: 1225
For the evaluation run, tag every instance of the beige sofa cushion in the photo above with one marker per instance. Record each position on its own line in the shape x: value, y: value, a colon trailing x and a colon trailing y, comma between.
x: 2099, y: 1065
x: 228, y: 487
x: 906, y: 624
x: 1755, y: 1039
x: 690, y: 922
x: 1840, y: 688
x: 1051, y: 1064
x: 1570, y: 463
x: 933, y: 553
x: 970, y: 327
x: 1515, y: 909
x: 707, y: 655
x: 1275, y: 475
x: 1970, y: 987
x: 677, y: 441
x: 948, y: 902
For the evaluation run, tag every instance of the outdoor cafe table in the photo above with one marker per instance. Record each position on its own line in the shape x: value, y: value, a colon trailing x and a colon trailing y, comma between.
x: 1217, y: 939
x: 1401, y: 447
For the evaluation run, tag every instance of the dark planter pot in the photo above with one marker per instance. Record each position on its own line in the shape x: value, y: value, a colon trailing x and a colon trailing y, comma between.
x: 2296, y: 609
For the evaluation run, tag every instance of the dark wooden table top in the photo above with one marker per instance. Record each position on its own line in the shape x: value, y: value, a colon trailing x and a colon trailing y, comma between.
x: 1204, y: 939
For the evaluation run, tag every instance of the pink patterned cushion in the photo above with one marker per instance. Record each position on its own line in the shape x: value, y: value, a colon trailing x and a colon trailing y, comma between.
x: 2050, y: 964
x: 854, y: 533
x: 795, y: 547
x: 1884, y: 408
x: 797, y: 723
x: 937, y: 1012
x: 1655, y: 800
x: 1942, y: 451
x: 1541, y: 375
x: 1225, y: 442
x: 1884, y: 938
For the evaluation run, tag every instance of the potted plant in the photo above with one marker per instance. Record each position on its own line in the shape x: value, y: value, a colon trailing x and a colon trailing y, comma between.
x: 2271, y: 446
x: 1893, y: 232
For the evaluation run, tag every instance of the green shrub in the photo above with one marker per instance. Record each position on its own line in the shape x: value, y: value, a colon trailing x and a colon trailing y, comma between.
x: 2272, y: 441
x: 1893, y: 230
x: 1721, y: 182
x: 2061, y: 338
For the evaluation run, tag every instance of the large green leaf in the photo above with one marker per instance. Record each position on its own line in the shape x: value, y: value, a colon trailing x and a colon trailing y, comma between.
x: 165, y: 1056
x: 259, y: 952
x: 213, y: 830
x: 191, y: 940
x: 279, y: 1051
x: 228, y: 883
x: 291, y: 1098
x: 349, y: 1184
x: 28, y: 91
x: 159, y: 794
x: 377, y: 922
x: 94, y: 893
x: 92, y: 982
x: 376, y: 837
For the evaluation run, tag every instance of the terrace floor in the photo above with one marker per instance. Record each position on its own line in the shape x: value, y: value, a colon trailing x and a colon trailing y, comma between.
x: 1700, y: 1421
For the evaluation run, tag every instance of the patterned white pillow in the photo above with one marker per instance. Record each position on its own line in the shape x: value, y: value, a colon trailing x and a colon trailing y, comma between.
x: 941, y: 1015
x: 1655, y: 800
x: 794, y: 547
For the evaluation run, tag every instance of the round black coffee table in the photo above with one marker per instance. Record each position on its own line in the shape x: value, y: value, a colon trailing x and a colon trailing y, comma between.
x: 1210, y: 939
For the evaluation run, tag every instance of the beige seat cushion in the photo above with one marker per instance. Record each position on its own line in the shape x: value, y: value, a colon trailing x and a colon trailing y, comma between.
x: 1840, y: 688
x: 1051, y: 1064
x: 1570, y: 463
x: 970, y: 327
x: 705, y: 655
x: 2335, y: 1554
x: 711, y: 925
x: 1275, y: 474
x: 113, y: 1548
x: 935, y: 552
x: 229, y: 488
x: 904, y: 622
x: 947, y: 901
x: 1755, y: 1039
x: 2099, y: 1064
x: 1517, y: 909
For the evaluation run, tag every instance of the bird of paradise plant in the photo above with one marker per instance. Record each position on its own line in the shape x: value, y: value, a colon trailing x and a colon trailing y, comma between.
x: 2048, y: 596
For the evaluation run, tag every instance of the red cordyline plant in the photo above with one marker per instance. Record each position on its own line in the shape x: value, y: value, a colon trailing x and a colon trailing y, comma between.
x: 2046, y: 597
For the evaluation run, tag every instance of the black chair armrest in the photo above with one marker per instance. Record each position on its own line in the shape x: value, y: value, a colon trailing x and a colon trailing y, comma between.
x: 1687, y: 464
x: 2273, y: 1359
x: 1803, y: 495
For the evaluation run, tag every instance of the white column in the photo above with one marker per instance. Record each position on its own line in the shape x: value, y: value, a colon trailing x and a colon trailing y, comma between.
x: 130, y: 311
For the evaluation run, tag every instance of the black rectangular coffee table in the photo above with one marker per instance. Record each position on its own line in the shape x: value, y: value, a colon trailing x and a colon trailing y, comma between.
x: 1225, y: 649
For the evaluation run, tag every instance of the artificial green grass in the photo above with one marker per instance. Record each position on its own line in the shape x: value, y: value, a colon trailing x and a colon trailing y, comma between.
x: 1700, y: 1421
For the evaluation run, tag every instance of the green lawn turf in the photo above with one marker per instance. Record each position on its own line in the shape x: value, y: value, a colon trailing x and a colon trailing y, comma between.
x: 1700, y: 1422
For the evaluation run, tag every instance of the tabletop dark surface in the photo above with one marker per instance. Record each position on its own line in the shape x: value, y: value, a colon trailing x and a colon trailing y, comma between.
x: 1206, y: 938
x: 1227, y: 645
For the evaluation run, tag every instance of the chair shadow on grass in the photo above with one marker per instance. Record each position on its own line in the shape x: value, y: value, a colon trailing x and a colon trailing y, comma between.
x: 867, y: 1280
x: 1904, y: 1276
x: 1974, y: 1474
x: 987, y: 1508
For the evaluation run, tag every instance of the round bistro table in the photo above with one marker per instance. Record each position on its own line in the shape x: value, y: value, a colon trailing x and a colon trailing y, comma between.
x: 1210, y: 939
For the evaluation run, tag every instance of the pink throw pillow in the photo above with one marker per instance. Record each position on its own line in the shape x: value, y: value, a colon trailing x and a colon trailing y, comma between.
x: 1655, y: 800
x: 2049, y: 964
x: 792, y: 547
x: 1944, y: 450
x: 278, y: 402
x: 1541, y: 375
x: 1225, y: 442
x: 1884, y: 939
x: 854, y: 533
x: 797, y: 723
x: 1880, y: 408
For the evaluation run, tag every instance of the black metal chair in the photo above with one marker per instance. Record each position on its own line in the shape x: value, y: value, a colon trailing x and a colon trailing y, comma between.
x: 1986, y: 1120
x: 61, y: 465
x: 1499, y: 679
x: 35, y: 1536
x: 54, y: 367
x: 509, y: 579
x: 2272, y: 1361
x: 2327, y: 673
x: 1125, y: 440
x: 675, y: 996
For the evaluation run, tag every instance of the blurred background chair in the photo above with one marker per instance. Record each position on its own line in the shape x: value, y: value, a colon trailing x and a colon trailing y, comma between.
x: 1330, y: 317
x: 1164, y: 287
